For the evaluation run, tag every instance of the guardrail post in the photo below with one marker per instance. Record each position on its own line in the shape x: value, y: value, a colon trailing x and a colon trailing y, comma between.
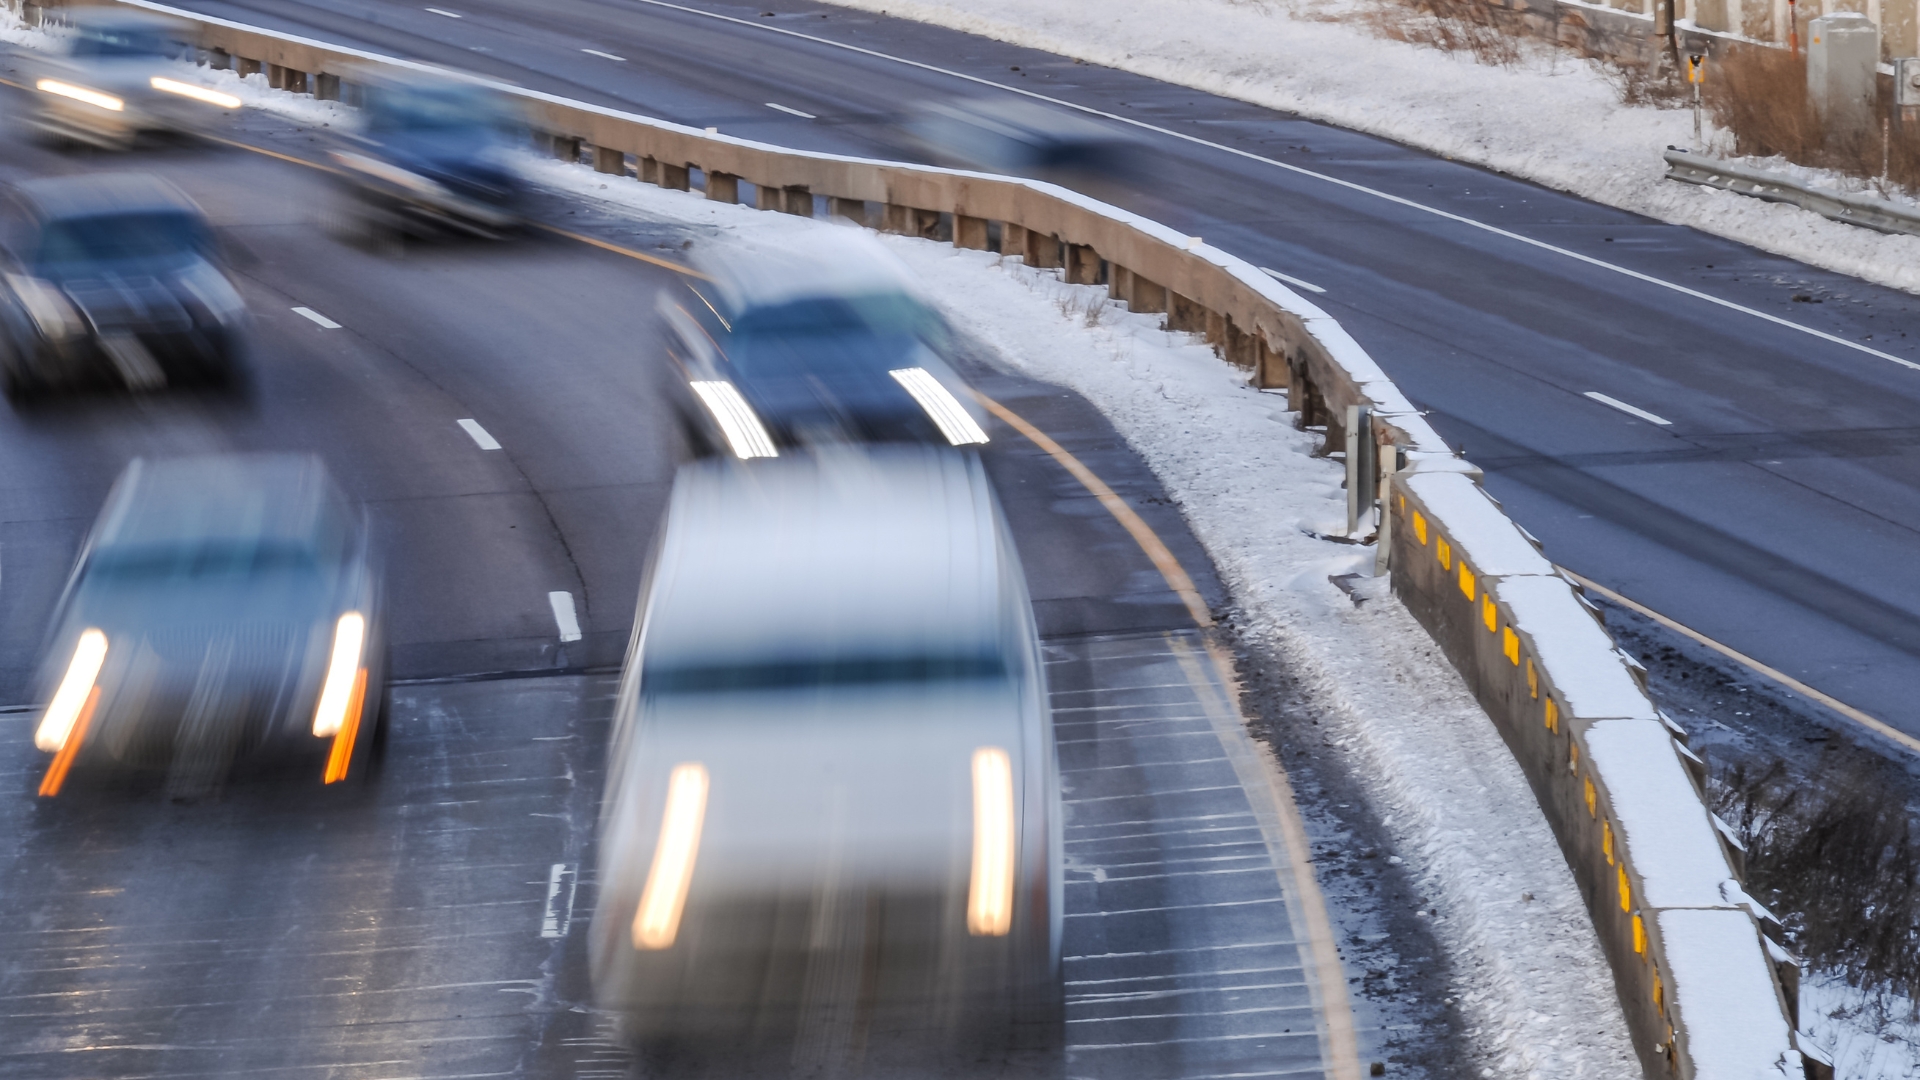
x: 799, y: 201
x: 1120, y: 283
x: 854, y: 210
x: 1144, y: 295
x: 969, y: 232
x: 609, y: 161
x: 245, y: 67
x: 1185, y: 314
x: 675, y: 177
x: 1216, y: 333
x: 769, y: 198
x: 1043, y: 250
x: 1270, y: 365
x: 1083, y: 265
x: 1240, y: 348
x: 326, y: 87
x: 895, y: 218
x: 723, y: 187
x: 566, y: 148
x: 925, y: 224
x: 219, y: 59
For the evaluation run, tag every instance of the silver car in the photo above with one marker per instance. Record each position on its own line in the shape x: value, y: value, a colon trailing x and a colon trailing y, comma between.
x: 831, y: 830
x: 113, y: 75
x: 223, y: 611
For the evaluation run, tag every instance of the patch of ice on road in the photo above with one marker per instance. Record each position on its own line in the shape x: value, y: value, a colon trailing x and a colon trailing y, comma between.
x: 1535, y: 991
x: 1550, y: 118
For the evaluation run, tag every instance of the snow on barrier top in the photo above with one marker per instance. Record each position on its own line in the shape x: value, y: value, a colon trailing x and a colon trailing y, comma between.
x: 1706, y: 994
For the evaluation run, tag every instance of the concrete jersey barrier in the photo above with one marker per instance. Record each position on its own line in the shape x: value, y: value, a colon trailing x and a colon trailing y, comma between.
x: 1709, y: 994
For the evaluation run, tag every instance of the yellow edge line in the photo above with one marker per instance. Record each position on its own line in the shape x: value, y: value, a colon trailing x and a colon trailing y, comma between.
x: 1149, y: 542
x: 1259, y: 769
x: 1877, y: 726
x: 1304, y: 897
x: 628, y: 252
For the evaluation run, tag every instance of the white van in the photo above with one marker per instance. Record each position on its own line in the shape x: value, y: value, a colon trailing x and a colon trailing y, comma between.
x: 831, y: 832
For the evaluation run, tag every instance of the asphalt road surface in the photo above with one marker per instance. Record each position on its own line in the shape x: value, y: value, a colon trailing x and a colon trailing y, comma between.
x: 431, y: 924
x: 1775, y: 512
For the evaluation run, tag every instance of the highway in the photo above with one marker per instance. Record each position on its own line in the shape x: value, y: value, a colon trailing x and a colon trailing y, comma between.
x: 1775, y: 510
x: 431, y: 923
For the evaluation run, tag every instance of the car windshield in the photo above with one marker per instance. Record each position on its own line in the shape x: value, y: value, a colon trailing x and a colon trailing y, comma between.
x: 158, y: 563
x: 818, y: 673
x: 840, y: 334
x: 109, y: 43
x: 113, y: 237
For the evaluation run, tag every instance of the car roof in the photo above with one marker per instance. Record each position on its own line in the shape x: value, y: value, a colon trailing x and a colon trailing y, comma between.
x: 108, y: 18
x: 836, y: 262
x: 891, y: 550
x: 240, y: 498
x: 57, y: 198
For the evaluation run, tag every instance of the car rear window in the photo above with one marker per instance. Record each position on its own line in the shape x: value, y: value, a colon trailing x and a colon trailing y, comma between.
x: 818, y: 673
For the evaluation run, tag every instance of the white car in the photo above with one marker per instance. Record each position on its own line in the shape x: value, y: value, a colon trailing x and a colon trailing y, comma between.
x: 831, y: 830
x: 113, y: 75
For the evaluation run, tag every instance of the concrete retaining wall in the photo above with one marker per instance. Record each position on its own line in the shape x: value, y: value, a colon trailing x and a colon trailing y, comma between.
x: 1705, y: 995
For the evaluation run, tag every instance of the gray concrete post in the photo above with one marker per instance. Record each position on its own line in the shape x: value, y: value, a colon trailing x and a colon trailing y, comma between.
x: 1843, y: 55
x: 566, y: 148
x: 674, y: 177
x: 1120, y: 283
x: 1083, y: 265
x: 245, y: 67
x: 723, y: 187
x: 1185, y: 314
x: 854, y: 210
x: 1144, y: 295
x: 799, y: 201
x: 326, y: 87
x: 611, y: 162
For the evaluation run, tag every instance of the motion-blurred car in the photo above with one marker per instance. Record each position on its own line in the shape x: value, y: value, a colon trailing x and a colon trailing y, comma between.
x: 113, y: 75
x: 432, y: 158
x: 831, y: 827
x: 780, y: 349
x: 113, y: 277
x: 1024, y: 138
x: 224, y: 611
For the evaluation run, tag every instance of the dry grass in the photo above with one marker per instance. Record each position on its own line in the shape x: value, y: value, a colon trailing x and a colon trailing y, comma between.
x: 1759, y: 97
x: 1835, y: 854
x: 1449, y: 25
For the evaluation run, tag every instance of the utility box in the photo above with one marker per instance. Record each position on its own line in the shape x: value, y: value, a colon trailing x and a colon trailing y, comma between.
x: 1843, y: 54
x: 1906, y: 82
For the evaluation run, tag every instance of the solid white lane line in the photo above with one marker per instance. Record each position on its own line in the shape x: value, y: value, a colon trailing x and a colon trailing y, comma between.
x: 309, y: 313
x: 795, y: 112
x: 561, y: 882
x: 1277, y: 275
x: 604, y: 55
x: 442, y: 11
x: 564, y: 616
x: 486, y: 441
x: 1297, y: 170
x: 1626, y: 408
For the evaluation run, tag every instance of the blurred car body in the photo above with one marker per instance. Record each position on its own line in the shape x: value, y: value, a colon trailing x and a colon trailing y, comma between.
x: 832, y: 809
x: 432, y: 159
x: 1023, y: 138
x: 224, y: 609
x: 781, y: 349
x: 113, y: 76
x: 113, y: 276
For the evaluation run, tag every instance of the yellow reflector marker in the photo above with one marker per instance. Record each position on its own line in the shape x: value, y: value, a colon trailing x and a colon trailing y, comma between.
x: 72, y: 696
x: 1626, y: 889
x: 341, y: 755
x: 1606, y: 844
x: 1510, y: 645
x: 1533, y: 681
x: 1660, y: 1000
x: 349, y: 637
x: 1552, y: 721
x: 1593, y: 800
x: 990, y: 895
x: 1488, y: 613
x: 197, y: 93
x: 80, y: 93
x: 63, y: 761
x: 746, y: 436
x: 657, y: 922
x: 1420, y: 526
x: 1444, y: 552
x: 1639, y: 935
x: 940, y: 404
x: 1573, y: 757
x: 1467, y: 580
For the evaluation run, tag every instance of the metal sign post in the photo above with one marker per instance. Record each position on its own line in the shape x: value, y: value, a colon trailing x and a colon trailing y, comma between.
x: 1697, y: 75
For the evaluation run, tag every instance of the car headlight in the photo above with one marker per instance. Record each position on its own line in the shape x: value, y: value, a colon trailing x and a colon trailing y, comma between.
x: 393, y: 174
x: 52, y: 313
x: 338, y: 694
x: 657, y: 921
x: 197, y: 93
x: 80, y: 93
x: 745, y: 434
x: 990, y: 892
x: 76, y: 690
x: 939, y: 403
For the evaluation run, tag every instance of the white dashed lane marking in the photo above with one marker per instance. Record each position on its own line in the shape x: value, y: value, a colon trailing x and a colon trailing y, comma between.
x: 486, y: 441
x: 324, y: 322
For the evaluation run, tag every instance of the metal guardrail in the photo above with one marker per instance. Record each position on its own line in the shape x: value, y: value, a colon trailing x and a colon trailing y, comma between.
x: 1866, y: 211
x: 1706, y: 995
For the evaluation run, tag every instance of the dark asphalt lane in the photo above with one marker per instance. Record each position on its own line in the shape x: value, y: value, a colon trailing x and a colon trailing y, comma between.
x: 1778, y: 512
x: 422, y: 926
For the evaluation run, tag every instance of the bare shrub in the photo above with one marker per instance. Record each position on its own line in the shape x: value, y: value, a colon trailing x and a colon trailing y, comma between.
x: 1659, y: 85
x: 1759, y: 96
x: 1835, y: 855
x: 1449, y: 25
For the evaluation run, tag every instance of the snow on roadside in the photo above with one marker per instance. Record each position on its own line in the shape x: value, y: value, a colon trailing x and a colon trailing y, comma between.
x: 1549, y: 118
x: 1869, y: 1036
x: 1531, y: 979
